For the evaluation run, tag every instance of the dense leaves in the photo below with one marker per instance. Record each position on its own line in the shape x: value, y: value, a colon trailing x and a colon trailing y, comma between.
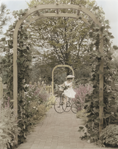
x: 3, y: 16
x: 65, y: 40
x: 31, y: 108
x: 8, y: 126
x: 24, y: 62
x: 109, y: 136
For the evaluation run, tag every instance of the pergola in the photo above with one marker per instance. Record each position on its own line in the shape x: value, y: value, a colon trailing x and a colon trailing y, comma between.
x: 57, y: 7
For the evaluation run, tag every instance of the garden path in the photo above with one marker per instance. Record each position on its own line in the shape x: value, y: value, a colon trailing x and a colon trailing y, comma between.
x: 57, y: 131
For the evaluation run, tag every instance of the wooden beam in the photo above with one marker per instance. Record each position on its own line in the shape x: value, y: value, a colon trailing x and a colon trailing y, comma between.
x: 75, y: 16
x: 62, y: 6
x: 101, y: 83
x: 15, y: 72
x: 1, y: 89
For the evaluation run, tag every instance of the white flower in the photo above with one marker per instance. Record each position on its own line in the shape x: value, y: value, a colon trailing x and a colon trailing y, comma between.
x: 28, y: 96
x: 26, y: 85
x: 25, y: 93
x: 11, y: 51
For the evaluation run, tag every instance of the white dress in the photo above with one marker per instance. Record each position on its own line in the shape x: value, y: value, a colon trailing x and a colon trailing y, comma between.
x: 69, y: 92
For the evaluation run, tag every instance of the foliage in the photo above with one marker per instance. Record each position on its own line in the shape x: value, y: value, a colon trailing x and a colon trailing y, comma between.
x: 109, y: 103
x: 51, y: 100
x: 3, y: 16
x: 37, y: 93
x: 65, y: 39
x: 83, y: 74
x: 109, y: 136
x: 34, y: 105
x: 8, y: 126
x: 40, y: 70
x: 3, y: 20
x: 23, y: 62
x: 82, y: 115
x: 115, y: 66
x: 81, y: 92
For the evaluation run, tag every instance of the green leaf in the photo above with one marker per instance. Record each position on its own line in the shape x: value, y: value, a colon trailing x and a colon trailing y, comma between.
x: 115, y: 47
x: 18, y: 61
x: 107, y: 21
x: 97, y: 120
x: 106, y: 115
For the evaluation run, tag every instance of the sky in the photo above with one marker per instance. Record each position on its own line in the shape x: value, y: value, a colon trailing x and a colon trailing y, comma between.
x: 110, y: 7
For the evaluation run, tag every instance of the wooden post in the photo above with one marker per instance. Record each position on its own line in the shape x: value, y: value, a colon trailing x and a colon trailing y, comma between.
x: 50, y: 88
x: 101, y: 85
x: 1, y: 92
x: 52, y: 83
x: 1, y: 89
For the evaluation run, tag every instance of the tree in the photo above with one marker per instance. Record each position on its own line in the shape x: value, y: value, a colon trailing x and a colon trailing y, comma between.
x: 3, y: 17
x: 3, y: 20
x: 65, y: 38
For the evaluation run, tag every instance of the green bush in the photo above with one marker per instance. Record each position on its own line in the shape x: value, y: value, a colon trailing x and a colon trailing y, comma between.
x: 82, y: 115
x: 41, y: 110
x: 82, y: 129
x: 109, y: 136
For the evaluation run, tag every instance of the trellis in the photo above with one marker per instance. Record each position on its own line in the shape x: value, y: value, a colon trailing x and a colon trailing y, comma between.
x: 38, y: 15
x: 53, y: 74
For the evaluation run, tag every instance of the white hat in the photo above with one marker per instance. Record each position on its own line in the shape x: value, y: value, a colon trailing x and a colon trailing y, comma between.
x: 70, y: 76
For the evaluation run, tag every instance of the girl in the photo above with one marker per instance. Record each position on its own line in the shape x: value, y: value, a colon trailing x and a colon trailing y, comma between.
x: 67, y: 85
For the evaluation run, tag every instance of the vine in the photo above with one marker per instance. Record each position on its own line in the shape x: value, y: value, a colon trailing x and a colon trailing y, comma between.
x: 109, y: 103
x: 24, y: 60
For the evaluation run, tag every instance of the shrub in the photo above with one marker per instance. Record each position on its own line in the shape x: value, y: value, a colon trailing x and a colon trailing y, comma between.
x: 109, y: 136
x: 36, y: 93
x: 8, y: 127
x: 41, y: 110
x: 33, y: 108
x: 82, y: 115
x: 81, y: 92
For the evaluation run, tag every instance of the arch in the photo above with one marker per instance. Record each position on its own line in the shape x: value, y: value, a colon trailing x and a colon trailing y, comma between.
x: 53, y: 74
x: 75, y: 16
x: 56, y: 7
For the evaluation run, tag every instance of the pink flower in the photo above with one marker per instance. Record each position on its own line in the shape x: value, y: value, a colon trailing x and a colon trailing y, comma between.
x: 82, y: 91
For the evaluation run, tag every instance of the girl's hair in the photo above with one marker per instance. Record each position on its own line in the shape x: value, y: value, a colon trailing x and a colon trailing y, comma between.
x: 69, y: 78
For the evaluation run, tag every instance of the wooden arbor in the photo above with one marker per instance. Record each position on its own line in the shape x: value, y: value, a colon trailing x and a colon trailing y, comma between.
x: 53, y: 74
x: 57, y: 7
